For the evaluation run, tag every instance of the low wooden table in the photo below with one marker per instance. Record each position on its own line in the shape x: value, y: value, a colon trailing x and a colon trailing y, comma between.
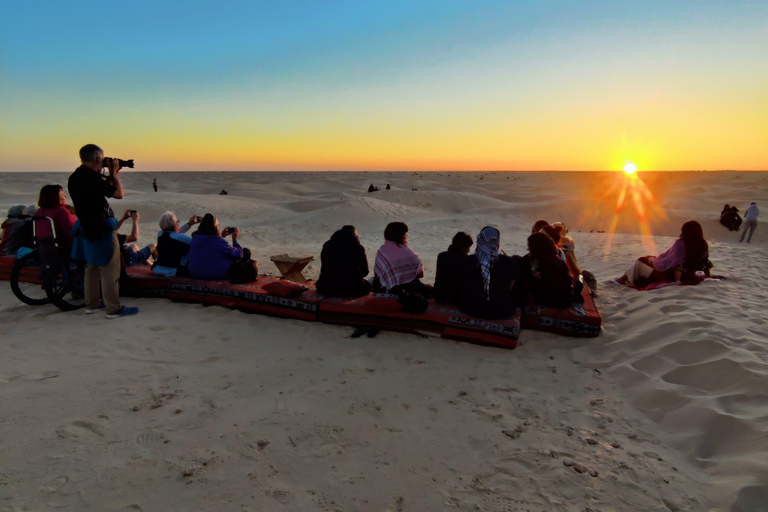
x: 291, y: 267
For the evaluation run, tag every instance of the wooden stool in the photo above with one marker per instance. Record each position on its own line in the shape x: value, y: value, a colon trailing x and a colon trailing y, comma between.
x: 291, y: 268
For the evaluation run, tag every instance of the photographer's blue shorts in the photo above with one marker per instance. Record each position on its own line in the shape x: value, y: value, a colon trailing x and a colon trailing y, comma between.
x: 132, y: 257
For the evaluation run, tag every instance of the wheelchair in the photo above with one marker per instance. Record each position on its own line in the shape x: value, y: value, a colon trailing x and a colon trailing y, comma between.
x: 45, y: 273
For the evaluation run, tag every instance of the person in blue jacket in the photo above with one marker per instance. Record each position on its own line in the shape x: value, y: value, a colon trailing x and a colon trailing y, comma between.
x: 210, y: 256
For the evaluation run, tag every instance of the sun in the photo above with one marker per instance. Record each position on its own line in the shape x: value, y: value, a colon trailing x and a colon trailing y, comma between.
x: 630, y: 168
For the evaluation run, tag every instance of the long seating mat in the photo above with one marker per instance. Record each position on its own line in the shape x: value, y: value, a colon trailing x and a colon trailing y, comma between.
x: 6, y: 265
x: 447, y: 321
x: 377, y: 310
x: 581, y: 320
x: 29, y: 274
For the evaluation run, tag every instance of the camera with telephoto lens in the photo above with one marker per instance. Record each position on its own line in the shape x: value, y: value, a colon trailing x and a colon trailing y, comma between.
x: 107, y: 162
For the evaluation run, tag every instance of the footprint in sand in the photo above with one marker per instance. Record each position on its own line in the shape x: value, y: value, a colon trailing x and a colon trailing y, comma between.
x: 149, y: 438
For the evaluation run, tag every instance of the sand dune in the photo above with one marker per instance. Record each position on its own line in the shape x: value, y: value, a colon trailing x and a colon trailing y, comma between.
x: 667, y: 405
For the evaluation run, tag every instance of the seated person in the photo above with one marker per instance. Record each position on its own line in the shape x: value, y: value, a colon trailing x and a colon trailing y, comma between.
x: 487, y: 277
x: 731, y: 219
x: 567, y: 246
x: 53, y: 204
x: 689, y: 253
x: 131, y: 254
x: 14, y: 236
x: 736, y: 219
x: 554, y: 234
x: 448, y: 285
x: 549, y: 279
x: 344, y: 266
x: 538, y: 225
x: 397, y: 267
x: 210, y: 256
x: 173, y: 245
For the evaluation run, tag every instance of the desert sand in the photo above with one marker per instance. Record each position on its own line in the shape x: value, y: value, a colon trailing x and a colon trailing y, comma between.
x: 185, y: 407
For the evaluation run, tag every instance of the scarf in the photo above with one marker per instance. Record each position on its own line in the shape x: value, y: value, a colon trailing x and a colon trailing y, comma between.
x: 487, y: 253
x: 396, y: 264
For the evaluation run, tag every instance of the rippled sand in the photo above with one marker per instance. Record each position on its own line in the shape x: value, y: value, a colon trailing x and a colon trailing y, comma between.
x: 668, y: 405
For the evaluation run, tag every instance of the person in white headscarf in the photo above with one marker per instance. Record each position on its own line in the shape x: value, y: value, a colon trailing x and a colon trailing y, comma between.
x: 13, y: 232
x: 487, y: 277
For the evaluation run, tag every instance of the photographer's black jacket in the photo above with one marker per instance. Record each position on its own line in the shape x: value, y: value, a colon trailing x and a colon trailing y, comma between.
x: 89, y: 191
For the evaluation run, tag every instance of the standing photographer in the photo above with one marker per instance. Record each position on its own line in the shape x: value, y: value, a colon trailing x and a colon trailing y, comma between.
x: 89, y: 191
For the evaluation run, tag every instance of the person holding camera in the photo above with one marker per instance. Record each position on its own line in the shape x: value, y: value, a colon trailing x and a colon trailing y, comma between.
x: 96, y: 239
x: 131, y: 253
x: 210, y: 256
x: 173, y: 245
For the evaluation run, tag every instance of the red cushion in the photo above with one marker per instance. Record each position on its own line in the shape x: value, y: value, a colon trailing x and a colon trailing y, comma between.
x: 284, y: 288
x: 384, y: 303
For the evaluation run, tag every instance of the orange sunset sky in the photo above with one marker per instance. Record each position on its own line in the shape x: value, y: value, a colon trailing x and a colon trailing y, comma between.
x: 450, y: 85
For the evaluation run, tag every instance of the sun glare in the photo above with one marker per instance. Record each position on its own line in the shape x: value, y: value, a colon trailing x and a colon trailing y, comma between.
x: 630, y: 168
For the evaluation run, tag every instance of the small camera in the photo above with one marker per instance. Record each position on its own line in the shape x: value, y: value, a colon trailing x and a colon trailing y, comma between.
x: 231, y: 230
x: 132, y: 212
x: 107, y: 162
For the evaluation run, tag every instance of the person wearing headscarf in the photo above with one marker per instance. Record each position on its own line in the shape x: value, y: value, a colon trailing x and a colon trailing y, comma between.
x: 448, y: 286
x: 549, y: 279
x: 487, y: 277
x: 343, y: 266
x: 13, y: 233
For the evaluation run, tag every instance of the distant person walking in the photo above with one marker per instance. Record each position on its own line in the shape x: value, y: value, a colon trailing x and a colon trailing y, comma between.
x: 154, y: 184
x: 750, y: 222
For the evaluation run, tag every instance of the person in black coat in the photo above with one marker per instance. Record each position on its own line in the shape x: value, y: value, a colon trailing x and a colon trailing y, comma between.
x: 344, y: 266
x: 549, y: 279
x: 487, y: 277
x: 448, y: 285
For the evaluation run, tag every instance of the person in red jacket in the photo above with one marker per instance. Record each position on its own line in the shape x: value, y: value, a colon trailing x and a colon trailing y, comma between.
x: 53, y: 203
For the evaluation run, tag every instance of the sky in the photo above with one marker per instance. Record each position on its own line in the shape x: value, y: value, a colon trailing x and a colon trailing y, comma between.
x: 390, y: 85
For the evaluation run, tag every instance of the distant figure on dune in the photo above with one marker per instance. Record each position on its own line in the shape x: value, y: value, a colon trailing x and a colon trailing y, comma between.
x: 344, y: 266
x: 387, y: 186
x: 371, y: 188
x: 751, y: 222
x: 448, y: 284
x: 154, y: 184
x: 688, y: 254
x: 487, y: 277
x: 730, y: 218
x: 223, y: 192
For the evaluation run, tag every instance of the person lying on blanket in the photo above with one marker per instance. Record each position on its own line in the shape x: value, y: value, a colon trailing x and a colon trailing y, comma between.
x: 688, y: 254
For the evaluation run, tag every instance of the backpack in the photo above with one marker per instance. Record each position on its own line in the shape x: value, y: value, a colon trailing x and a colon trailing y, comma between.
x: 243, y: 270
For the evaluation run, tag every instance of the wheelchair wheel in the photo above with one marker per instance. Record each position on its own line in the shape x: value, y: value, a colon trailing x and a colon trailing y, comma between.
x: 66, y: 285
x: 28, y: 281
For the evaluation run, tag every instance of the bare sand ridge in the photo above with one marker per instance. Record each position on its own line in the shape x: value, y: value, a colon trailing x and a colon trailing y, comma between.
x: 185, y: 407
